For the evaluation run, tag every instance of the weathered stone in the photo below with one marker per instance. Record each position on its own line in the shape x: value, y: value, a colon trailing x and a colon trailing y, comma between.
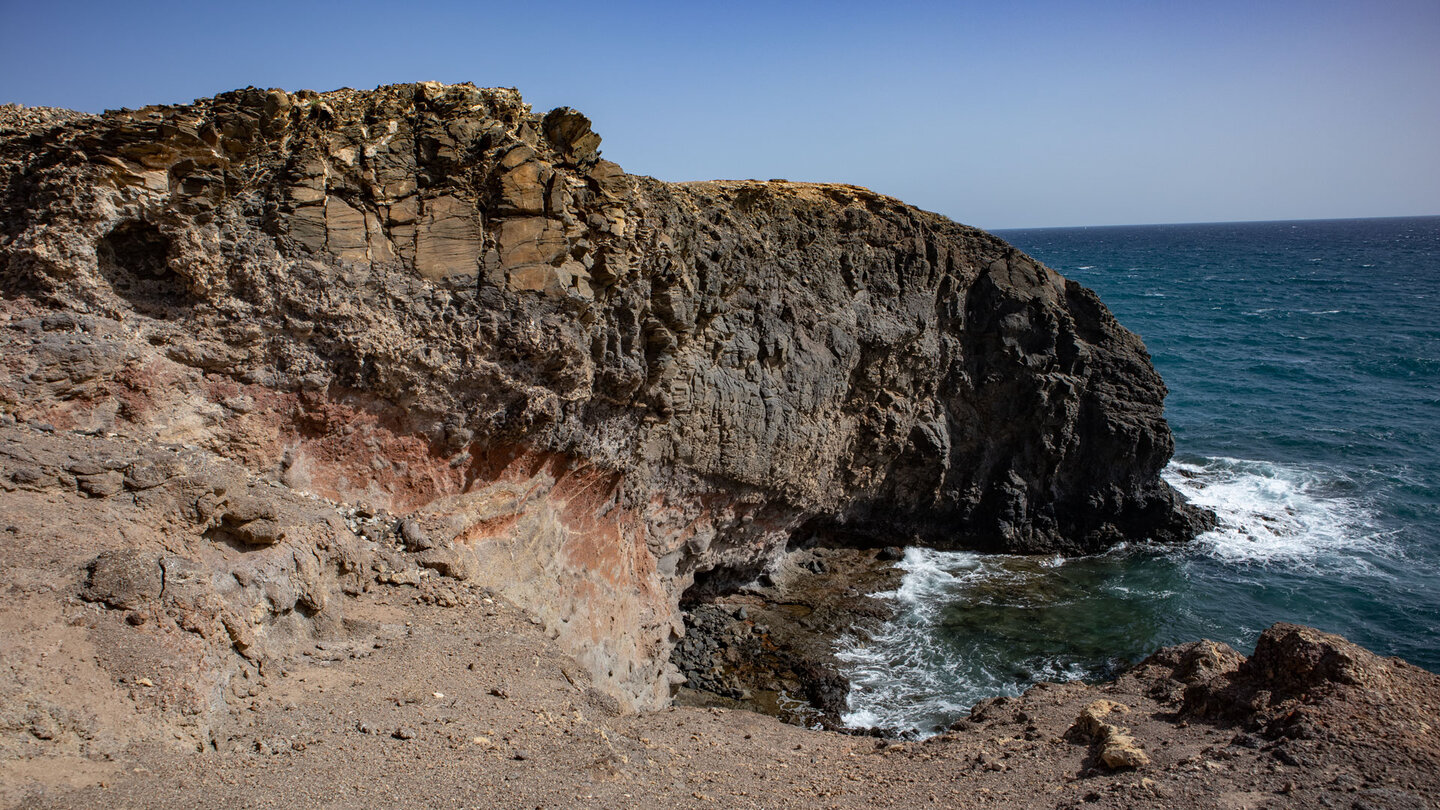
x: 415, y: 537
x: 453, y: 563
x: 569, y: 131
x: 260, y: 532
x: 1292, y: 666
x: 245, y: 508
x: 379, y: 247
x: 277, y: 103
x: 143, y: 476
x: 517, y: 155
x: 650, y: 384
x: 523, y: 189
x: 530, y: 240
x: 88, y: 466
x: 31, y: 477
x: 404, y: 212
x: 126, y: 579
x: 535, y: 278
x: 1092, y: 723
x: 307, y: 226
x: 1122, y: 751
x: 102, y: 485
x: 448, y: 240
x: 345, y: 234
x: 1117, y: 748
x: 610, y: 178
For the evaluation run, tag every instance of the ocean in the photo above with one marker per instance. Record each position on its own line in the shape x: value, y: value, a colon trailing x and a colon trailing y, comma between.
x: 1303, y: 362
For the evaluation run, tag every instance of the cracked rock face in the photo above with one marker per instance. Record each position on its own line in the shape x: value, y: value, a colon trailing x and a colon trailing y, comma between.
x: 585, y: 387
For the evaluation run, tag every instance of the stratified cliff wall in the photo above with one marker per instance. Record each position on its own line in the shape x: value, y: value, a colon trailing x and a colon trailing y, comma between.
x: 579, y: 387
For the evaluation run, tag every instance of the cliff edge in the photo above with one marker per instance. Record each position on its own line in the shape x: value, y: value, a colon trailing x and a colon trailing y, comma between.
x: 510, y: 364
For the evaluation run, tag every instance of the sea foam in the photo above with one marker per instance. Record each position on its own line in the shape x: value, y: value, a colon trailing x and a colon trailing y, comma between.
x: 1276, y: 513
x: 903, y: 672
x: 969, y: 626
x: 914, y: 674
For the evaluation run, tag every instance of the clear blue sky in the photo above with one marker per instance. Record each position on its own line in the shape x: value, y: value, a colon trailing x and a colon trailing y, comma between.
x: 997, y: 114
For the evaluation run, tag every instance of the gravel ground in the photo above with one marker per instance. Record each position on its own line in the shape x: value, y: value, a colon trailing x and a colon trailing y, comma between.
x: 471, y: 706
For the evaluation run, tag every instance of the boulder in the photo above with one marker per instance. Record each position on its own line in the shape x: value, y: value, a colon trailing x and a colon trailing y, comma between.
x: 126, y: 579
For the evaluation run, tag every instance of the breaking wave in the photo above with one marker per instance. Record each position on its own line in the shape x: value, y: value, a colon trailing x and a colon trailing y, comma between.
x: 971, y: 626
x: 1277, y: 513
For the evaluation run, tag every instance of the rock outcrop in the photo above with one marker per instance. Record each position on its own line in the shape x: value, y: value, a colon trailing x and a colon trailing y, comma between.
x: 585, y: 389
x: 160, y: 579
x: 771, y: 646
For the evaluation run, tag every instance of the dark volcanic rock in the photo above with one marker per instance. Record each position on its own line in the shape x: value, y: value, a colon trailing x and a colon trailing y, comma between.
x: 876, y: 366
x: 772, y: 648
x: 598, y: 385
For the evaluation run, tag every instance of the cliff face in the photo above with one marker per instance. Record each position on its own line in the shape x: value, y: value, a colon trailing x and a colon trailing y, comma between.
x: 585, y: 389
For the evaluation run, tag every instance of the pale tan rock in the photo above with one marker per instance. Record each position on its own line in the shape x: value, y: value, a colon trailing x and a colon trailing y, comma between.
x: 530, y: 240
x: 577, y: 278
x: 534, y: 278
x: 1092, y: 718
x: 611, y: 179
x: 1118, y: 749
x: 345, y: 233
x: 381, y: 250
x: 305, y: 195
x: 516, y: 156
x: 448, y: 240
x: 404, y: 212
x: 1122, y: 751
x: 523, y: 188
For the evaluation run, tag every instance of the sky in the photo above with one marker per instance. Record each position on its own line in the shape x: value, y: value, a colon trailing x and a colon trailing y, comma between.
x: 999, y: 115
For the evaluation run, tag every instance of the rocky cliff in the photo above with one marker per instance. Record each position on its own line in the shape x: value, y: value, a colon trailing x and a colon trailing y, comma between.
x: 513, y: 365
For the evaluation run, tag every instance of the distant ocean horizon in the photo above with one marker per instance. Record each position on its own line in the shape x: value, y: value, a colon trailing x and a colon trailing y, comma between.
x: 1031, y: 229
x: 1303, y: 362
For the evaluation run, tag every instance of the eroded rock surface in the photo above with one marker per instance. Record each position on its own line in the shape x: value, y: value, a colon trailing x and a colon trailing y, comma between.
x: 770, y: 646
x: 584, y: 388
x: 299, y: 391
x: 161, y: 589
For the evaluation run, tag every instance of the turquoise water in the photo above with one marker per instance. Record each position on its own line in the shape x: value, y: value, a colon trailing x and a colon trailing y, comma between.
x: 1303, y: 361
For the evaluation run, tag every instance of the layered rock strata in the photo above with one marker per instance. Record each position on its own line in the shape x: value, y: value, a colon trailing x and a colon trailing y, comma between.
x: 592, y: 390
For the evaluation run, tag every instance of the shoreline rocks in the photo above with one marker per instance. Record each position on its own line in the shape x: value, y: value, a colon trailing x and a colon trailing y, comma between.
x: 770, y: 647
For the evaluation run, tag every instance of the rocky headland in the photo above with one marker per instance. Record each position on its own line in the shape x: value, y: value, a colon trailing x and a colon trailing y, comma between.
x: 311, y: 402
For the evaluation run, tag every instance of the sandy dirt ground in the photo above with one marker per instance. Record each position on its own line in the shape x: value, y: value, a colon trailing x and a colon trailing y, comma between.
x: 471, y: 706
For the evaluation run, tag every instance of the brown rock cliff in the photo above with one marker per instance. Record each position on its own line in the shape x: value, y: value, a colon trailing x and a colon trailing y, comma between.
x: 585, y: 389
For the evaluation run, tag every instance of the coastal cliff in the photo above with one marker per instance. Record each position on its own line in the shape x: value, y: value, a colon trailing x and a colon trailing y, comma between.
x: 391, y: 447
x: 511, y: 364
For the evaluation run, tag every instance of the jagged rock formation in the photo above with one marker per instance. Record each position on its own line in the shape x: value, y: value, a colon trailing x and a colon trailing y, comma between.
x: 589, y: 390
x: 770, y: 647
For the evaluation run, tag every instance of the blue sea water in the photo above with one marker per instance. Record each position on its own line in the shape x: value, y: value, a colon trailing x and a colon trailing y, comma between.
x: 1303, y: 362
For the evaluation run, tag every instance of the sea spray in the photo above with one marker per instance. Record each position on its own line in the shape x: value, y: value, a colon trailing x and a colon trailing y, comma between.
x: 970, y: 626
x: 1277, y: 513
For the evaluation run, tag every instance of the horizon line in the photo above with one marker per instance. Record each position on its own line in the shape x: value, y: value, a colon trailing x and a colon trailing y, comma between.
x: 1212, y: 222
